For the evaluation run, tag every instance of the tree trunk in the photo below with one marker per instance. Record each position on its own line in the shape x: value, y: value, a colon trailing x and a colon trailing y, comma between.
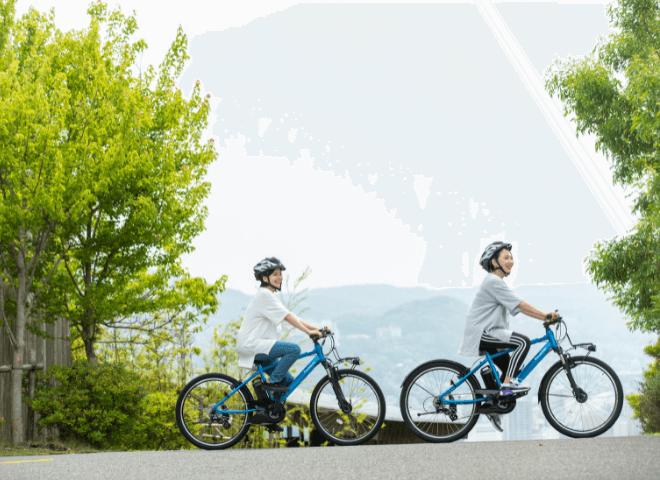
x: 88, y: 340
x: 31, y: 385
x: 18, y: 426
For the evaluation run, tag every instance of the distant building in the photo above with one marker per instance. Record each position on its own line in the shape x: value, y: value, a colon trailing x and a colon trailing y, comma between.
x: 357, y: 336
x: 483, y: 431
x: 388, y: 332
x: 519, y: 424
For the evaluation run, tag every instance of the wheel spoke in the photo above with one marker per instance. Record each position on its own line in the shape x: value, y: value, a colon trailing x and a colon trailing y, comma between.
x: 598, y: 410
x: 356, y: 426
x: 212, y: 430
x: 422, y: 411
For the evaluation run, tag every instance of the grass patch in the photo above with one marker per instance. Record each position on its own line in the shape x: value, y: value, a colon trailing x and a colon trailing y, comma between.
x: 55, y: 447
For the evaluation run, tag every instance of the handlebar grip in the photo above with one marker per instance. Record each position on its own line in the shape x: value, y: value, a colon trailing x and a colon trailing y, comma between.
x: 316, y: 337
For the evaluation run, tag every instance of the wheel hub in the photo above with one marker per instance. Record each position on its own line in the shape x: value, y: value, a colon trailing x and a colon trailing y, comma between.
x: 581, y: 396
x: 222, y: 419
x: 449, y: 410
x: 346, y: 407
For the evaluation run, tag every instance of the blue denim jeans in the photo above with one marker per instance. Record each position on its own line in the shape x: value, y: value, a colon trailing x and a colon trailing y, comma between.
x: 288, y: 352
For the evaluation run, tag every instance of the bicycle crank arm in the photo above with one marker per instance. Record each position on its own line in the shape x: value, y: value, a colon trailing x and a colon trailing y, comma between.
x: 487, y: 392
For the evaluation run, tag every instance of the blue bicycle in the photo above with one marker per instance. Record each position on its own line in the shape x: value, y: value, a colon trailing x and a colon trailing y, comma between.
x: 581, y: 396
x: 347, y: 406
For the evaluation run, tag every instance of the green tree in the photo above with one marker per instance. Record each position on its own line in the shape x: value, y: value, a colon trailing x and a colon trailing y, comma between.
x: 102, y: 181
x: 141, y: 141
x: 43, y: 187
x: 614, y: 93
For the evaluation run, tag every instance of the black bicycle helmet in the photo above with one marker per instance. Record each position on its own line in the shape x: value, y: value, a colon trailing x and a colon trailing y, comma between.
x: 265, y: 268
x: 492, y: 252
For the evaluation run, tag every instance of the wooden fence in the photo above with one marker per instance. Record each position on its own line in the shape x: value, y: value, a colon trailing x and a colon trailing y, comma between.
x: 40, y: 353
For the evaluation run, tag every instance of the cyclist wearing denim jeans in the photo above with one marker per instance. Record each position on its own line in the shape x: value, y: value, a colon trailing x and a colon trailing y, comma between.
x: 258, y: 337
x: 487, y: 321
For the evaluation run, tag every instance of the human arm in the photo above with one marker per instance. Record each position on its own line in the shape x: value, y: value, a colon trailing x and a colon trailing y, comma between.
x: 302, y: 325
x: 532, y: 311
x: 309, y: 325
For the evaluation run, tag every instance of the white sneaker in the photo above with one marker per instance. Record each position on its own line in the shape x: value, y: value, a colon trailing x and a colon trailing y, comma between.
x: 496, y: 421
x: 514, y: 386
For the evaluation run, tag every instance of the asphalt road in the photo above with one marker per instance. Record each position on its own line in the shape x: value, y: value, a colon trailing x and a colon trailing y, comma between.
x: 600, y: 458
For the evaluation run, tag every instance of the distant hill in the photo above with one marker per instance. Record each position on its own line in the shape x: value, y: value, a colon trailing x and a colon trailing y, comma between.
x: 394, y: 329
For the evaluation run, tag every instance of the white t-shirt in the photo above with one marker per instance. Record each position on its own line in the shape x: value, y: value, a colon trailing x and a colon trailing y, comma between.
x: 260, y: 328
x: 489, y: 312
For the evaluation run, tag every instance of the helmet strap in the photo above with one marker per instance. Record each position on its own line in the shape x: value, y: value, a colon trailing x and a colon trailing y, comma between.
x: 270, y: 284
x: 499, y: 267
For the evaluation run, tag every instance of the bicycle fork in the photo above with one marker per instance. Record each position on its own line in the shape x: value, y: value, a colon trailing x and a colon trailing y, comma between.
x: 567, y: 364
x: 334, y: 381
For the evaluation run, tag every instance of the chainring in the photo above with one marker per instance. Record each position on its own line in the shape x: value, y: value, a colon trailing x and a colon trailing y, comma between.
x: 276, y: 412
x: 505, y: 406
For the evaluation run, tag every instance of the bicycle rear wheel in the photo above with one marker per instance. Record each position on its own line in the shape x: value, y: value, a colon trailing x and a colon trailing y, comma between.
x: 423, y: 413
x: 596, y: 407
x: 362, y: 422
x: 202, y: 426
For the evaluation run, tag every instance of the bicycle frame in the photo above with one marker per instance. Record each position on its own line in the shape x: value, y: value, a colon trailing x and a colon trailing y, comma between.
x: 317, y: 352
x: 551, y: 344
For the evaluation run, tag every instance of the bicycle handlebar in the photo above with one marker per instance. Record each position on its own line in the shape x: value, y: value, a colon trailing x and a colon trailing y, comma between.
x: 324, y: 333
x: 549, y: 323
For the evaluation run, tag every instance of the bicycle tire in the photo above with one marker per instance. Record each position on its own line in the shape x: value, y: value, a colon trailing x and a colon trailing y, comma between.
x: 194, y: 421
x: 415, y: 405
x: 341, y: 428
x: 604, y: 398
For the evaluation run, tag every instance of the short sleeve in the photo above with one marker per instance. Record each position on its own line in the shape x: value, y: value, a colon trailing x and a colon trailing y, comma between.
x: 273, y: 309
x: 505, y: 296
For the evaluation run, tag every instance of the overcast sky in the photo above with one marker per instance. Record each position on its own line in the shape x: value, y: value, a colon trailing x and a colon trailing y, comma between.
x: 376, y: 142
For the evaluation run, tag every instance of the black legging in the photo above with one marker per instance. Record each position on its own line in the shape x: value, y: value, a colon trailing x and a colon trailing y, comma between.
x: 509, y: 365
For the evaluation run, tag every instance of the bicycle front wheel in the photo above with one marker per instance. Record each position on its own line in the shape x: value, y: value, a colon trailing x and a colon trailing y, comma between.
x: 204, y: 427
x: 367, y: 408
x: 425, y: 415
x: 595, y: 407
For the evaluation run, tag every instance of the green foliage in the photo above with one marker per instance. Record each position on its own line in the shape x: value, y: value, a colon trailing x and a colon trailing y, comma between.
x: 649, y: 404
x: 614, y: 93
x: 156, y: 427
x: 108, y: 406
x: 94, y: 403
x: 221, y: 355
x: 646, y: 404
x: 140, y: 141
x: 628, y: 268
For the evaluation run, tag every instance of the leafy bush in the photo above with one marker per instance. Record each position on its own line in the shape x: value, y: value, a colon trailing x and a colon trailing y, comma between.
x: 95, y: 403
x: 107, y: 406
x: 156, y: 426
x: 646, y: 403
x: 649, y: 404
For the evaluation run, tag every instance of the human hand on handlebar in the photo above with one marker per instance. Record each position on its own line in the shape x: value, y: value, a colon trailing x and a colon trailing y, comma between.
x: 319, y: 333
x: 315, y: 332
x: 551, y: 316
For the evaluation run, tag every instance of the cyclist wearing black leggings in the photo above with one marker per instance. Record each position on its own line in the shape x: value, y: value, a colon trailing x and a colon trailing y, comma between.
x: 487, y: 321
